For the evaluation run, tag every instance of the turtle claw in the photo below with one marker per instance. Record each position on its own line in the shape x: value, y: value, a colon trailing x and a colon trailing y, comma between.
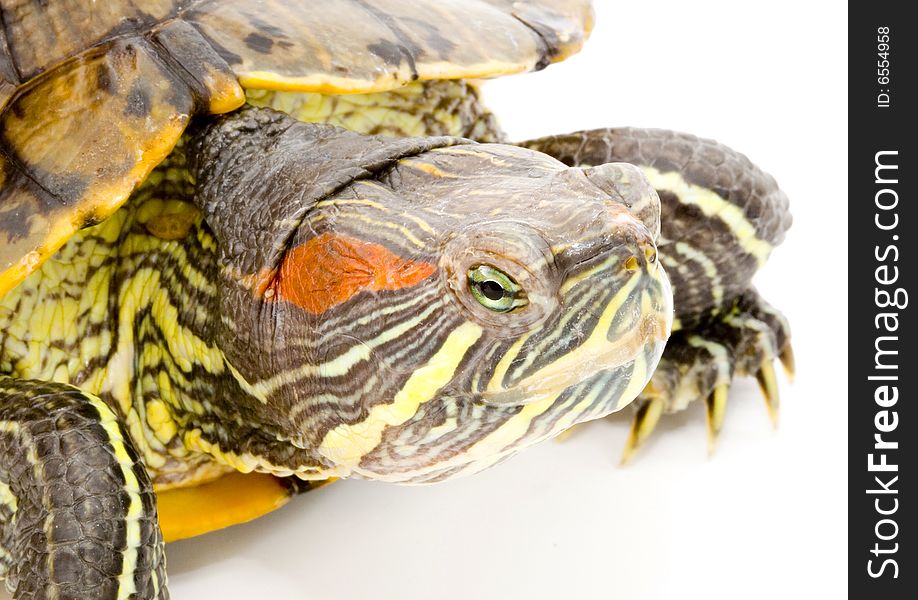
x: 768, y: 383
x: 715, y: 409
x: 700, y: 364
x: 787, y: 360
x: 645, y: 421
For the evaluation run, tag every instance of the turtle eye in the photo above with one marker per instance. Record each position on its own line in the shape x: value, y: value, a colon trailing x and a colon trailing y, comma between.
x: 495, y: 290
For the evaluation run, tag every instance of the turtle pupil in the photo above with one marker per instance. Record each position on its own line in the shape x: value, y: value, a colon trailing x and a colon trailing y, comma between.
x: 492, y: 290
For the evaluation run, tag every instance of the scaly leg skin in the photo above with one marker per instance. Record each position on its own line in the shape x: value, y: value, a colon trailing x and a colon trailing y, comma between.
x: 721, y: 217
x: 77, y: 510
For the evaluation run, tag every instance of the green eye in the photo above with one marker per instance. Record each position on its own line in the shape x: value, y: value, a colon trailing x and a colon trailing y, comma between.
x: 495, y: 290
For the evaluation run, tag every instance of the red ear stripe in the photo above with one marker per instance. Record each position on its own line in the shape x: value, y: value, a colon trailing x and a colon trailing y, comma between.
x: 330, y: 269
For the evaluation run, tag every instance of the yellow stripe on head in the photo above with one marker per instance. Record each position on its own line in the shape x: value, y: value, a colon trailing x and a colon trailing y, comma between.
x: 346, y: 444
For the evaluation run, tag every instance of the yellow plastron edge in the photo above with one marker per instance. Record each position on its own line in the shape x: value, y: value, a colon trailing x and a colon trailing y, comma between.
x: 232, y: 499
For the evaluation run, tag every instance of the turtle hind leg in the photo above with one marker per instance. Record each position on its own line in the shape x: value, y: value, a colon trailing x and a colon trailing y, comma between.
x: 701, y: 363
x: 77, y: 509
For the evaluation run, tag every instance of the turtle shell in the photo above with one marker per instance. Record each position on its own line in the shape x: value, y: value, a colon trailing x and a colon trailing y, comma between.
x: 93, y: 95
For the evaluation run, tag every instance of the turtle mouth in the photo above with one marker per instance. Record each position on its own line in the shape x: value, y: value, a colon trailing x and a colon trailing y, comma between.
x: 610, y: 346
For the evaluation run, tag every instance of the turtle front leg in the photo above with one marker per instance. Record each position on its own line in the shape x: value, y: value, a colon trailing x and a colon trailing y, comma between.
x: 720, y: 218
x: 77, y: 509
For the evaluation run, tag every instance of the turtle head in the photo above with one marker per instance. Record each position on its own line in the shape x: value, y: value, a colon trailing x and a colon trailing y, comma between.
x: 445, y: 307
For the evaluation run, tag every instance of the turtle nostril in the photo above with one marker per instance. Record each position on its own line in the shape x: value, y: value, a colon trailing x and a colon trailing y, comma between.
x: 650, y: 255
x: 631, y: 264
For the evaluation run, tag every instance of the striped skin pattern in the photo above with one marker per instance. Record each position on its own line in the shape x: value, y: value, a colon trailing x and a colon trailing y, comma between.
x: 213, y: 366
x: 78, y: 504
x: 418, y: 382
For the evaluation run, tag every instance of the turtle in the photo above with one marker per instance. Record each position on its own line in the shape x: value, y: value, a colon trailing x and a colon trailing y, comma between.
x: 247, y: 249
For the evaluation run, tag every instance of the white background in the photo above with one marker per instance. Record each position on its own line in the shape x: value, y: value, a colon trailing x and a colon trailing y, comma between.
x: 766, y: 517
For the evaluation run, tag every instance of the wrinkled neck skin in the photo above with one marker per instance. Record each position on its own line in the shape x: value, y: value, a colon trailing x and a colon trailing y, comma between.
x: 346, y: 314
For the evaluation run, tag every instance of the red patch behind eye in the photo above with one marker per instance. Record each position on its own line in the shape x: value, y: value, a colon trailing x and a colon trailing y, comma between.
x: 330, y: 269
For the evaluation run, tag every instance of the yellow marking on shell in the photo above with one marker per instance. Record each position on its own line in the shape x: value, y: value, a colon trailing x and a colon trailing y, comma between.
x: 448, y: 70
x: 225, y: 94
x: 320, y: 83
x: 324, y: 83
x: 712, y: 204
x: 104, y: 195
x: 346, y: 444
